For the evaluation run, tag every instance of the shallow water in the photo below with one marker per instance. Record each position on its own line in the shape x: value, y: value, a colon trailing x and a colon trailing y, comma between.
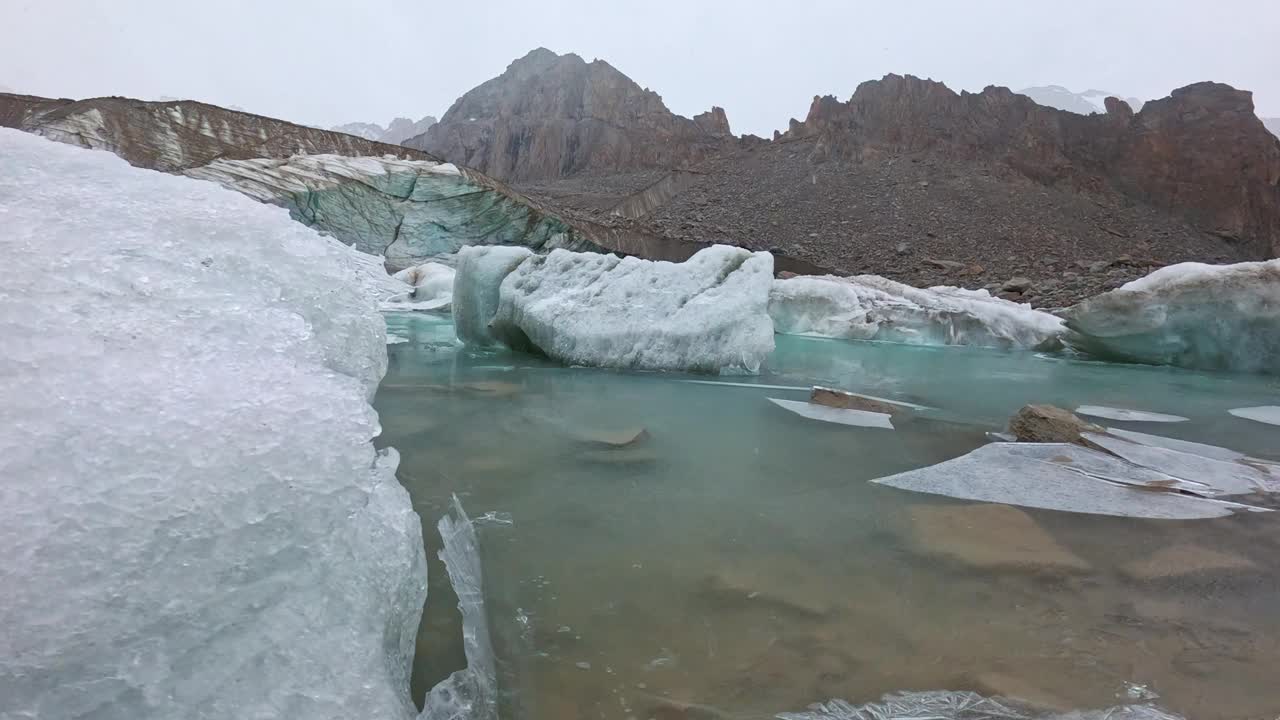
x: 735, y: 562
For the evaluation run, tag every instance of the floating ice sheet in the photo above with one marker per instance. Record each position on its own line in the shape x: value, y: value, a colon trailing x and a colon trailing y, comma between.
x: 946, y: 705
x: 1059, y: 477
x: 1186, y: 446
x: 1269, y: 414
x: 1203, y: 475
x: 1126, y: 415
x: 857, y: 418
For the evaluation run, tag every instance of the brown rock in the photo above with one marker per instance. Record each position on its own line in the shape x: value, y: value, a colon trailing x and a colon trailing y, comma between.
x: 550, y: 116
x: 611, y: 438
x: 990, y: 536
x: 1049, y: 424
x: 850, y: 401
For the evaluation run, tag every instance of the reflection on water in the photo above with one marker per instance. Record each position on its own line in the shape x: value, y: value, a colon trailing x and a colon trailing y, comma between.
x: 733, y: 560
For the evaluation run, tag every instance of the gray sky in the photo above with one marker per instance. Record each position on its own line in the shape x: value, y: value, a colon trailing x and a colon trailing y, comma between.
x: 324, y: 62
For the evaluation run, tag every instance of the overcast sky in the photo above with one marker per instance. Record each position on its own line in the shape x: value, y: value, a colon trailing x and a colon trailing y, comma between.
x: 324, y: 62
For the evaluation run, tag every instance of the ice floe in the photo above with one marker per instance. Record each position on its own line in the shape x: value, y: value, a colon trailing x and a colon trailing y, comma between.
x: 431, y: 288
x: 476, y: 287
x: 1059, y: 476
x: 1111, y: 413
x: 1214, y: 317
x: 1269, y: 414
x: 840, y: 416
x: 870, y: 307
x: 195, y: 521
x: 948, y: 705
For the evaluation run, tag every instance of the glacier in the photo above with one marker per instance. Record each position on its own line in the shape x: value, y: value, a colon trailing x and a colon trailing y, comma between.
x: 476, y: 287
x: 870, y: 307
x: 706, y: 314
x: 196, y: 523
x: 1209, y: 317
x: 406, y: 210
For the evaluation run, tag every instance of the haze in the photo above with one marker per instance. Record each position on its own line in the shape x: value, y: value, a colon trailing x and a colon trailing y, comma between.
x: 323, y: 62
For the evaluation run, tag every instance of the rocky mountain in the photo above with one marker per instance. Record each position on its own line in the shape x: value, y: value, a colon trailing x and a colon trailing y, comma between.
x: 398, y: 131
x: 551, y: 116
x: 914, y: 181
x: 1084, y: 103
x: 178, y: 135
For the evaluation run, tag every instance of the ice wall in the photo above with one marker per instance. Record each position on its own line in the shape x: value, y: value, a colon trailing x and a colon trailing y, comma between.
x: 195, y: 522
x: 870, y: 307
x: 1213, y: 317
x: 407, y: 210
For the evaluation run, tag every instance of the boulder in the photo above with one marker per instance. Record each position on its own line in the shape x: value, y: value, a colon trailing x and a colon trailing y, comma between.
x: 1049, y: 424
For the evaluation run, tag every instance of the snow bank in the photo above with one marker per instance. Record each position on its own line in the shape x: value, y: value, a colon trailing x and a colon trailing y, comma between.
x: 195, y: 522
x: 869, y: 307
x: 431, y: 288
x: 1213, y: 317
x: 707, y: 314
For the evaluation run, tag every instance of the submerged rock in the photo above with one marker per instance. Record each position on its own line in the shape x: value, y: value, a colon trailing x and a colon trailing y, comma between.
x: 869, y: 307
x: 1049, y: 424
x: 1211, y: 317
x: 1184, y: 560
x: 990, y: 536
x: 707, y: 314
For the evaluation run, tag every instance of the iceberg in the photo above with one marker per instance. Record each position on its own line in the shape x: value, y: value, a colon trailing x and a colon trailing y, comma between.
x: 477, y: 283
x: 870, y: 307
x: 707, y: 314
x: 406, y: 210
x: 1210, y: 317
x: 195, y: 521
x: 431, y: 288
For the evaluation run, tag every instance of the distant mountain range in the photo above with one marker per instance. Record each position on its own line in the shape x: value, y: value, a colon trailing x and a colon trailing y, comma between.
x: 398, y: 131
x: 1083, y: 103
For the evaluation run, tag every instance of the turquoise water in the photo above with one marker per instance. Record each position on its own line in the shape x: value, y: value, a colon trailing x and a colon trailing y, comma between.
x: 734, y: 561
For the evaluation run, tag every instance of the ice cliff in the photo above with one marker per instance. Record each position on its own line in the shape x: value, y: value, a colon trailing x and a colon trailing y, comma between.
x: 195, y: 522
x: 707, y: 314
x: 870, y: 307
x: 407, y: 210
x: 1213, y: 317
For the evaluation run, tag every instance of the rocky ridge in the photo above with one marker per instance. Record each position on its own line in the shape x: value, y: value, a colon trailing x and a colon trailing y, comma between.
x: 551, y: 116
x: 398, y: 131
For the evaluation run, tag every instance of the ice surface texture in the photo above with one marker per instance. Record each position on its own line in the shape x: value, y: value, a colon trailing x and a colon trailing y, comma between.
x: 869, y: 307
x: 195, y: 522
x: 944, y: 705
x: 407, y: 210
x: 707, y: 314
x: 1212, y: 317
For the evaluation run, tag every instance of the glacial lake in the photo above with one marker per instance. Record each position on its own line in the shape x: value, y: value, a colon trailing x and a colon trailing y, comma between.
x: 735, y: 562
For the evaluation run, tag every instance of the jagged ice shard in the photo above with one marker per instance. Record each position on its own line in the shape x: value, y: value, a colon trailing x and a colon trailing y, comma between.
x: 706, y: 314
x: 196, y: 524
x: 1212, y: 317
x: 870, y: 307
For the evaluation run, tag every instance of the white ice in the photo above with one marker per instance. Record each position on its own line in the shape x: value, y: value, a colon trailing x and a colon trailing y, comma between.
x: 840, y: 416
x: 1059, y: 477
x: 1269, y: 414
x: 706, y: 314
x: 951, y: 705
x: 870, y: 307
x: 1195, y: 448
x: 470, y: 693
x: 430, y: 288
x: 195, y: 523
x: 1216, y: 317
x: 476, y: 286
x: 1111, y: 413
x: 1203, y: 475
